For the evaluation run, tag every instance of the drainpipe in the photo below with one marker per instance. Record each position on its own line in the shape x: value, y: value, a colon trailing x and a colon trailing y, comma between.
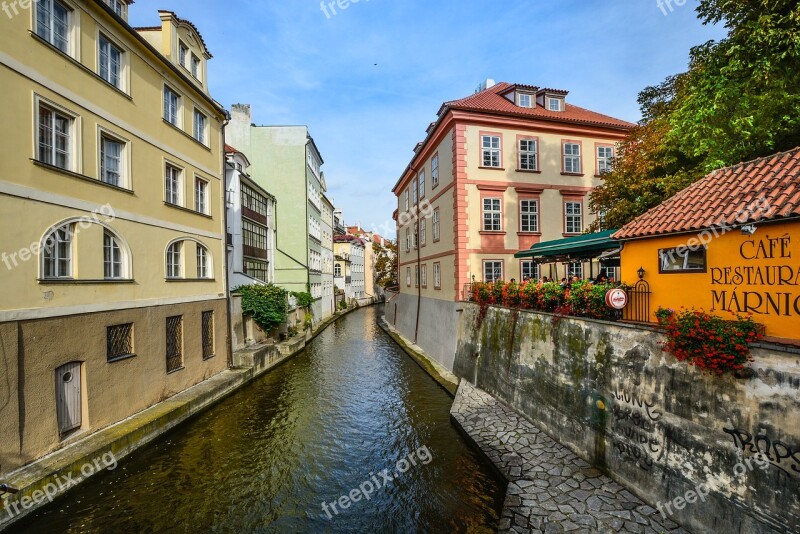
x: 419, y: 259
x: 228, y: 301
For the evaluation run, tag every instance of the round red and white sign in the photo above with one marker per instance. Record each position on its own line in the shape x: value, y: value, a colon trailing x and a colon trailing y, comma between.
x: 617, y: 299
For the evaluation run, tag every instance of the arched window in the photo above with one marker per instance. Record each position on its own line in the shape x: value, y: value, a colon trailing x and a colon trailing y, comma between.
x: 57, y: 253
x: 203, y: 262
x: 175, y: 260
x: 115, y: 261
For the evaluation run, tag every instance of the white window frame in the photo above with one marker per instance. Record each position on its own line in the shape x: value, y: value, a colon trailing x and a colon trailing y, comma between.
x: 408, y: 239
x: 558, y: 101
x: 51, y: 265
x: 115, y: 256
x: 175, y: 260
x: 572, y: 154
x: 73, y: 150
x: 494, y: 153
x: 119, y: 7
x: 183, y: 55
x: 408, y: 276
x: 495, y: 211
x: 71, y: 42
x: 195, y: 66
x: 574, y: 269
x: 178, y: 193
x: 204, y: 263
x: 437, y: 275
x: 531, y: 214
x: 534, y: 270
x: 424, y: 275
x: 605, y: 162
x: 423, y: 227
x: 525, y: 100
x: 414, y: 196
x: 435, y: 171
x: 201, y: 203
x: 123, y: 171
x: 407, y: 194
x: 167, y: 105
x: 526, y: 154
x: 571, y: 218
x: 436, y: 225
x: 112, y: 45
x: 421, y: 183
x: 493, y: 277
x: 200, y: 135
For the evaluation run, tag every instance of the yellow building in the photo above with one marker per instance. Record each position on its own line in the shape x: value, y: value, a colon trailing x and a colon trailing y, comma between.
x: 728, y: 243
x: 111, y: 194
x: 498, y: 172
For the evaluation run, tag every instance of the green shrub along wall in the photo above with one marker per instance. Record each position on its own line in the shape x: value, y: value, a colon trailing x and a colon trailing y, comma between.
x: 663, y: 428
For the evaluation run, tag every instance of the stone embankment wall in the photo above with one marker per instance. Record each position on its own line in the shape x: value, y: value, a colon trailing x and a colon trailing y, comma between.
x: 674, y: 435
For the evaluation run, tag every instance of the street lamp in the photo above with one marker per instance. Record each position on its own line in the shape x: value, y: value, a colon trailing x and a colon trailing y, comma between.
x: 641, y: 273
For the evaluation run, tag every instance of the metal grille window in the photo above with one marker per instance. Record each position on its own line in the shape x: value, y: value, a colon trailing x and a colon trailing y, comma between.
x: 491, y: 150
x: 254, y: 235
x: 573, y: 217
x: 492, y: 215
x: 172, y: 102
x: 119, y: 341
x: 528, y: 155
x: 110, y: 62
x: 572, y: 158
x: 57, y: 253
x: 52, y: 23
x: 55, y: 132
x: 256, y: 269
x: 529, y: 215
x: 174, y: 343
x: 208, y: 334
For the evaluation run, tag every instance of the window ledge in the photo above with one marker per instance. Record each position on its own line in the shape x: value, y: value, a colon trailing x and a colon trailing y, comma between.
x: 492, y: 232
x: 211, y: 357
x: 188, y: 210
x: 77, y: 282
x: 186, y: 134
x: 179, y: 369
x: 492, y: 168
x: 572, y: 174
x: 122, y: 358
x: 530, y: 233
x: 189, y: 280
x: 79, y: 176
x: 529, y: 171
x: 566, y: 234
x: 81, y: 66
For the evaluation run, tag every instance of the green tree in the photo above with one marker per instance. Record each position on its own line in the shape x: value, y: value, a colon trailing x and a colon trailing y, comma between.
x: 386, y: 264
x: 739, y: 100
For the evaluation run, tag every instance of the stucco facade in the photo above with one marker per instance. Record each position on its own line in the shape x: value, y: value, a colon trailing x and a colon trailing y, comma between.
x: 115, y: 269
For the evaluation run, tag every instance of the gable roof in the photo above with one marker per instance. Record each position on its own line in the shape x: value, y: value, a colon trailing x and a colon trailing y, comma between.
x: 765, y: 189
x: 491, y: 100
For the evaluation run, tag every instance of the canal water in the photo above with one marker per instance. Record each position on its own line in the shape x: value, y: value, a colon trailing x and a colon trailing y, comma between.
x: 333, y: 418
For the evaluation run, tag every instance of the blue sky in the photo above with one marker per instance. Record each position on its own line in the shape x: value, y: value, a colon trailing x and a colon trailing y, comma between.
x: 369, y: 79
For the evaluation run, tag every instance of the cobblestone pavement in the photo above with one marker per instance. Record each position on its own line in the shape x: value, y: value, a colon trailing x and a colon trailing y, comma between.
x: 550, y: 489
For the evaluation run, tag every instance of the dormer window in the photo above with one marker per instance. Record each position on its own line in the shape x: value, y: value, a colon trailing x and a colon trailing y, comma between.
x: 183, y: 54
x: 525, y: 101
x: 195, y: 66
x: 119, y: 7
x: 555, y: 104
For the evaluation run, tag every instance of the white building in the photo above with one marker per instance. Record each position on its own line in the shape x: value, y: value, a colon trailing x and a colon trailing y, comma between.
x: 250, y: 225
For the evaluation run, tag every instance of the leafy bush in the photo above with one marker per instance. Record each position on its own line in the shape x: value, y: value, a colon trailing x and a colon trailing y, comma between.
x: 711, y: 343
x: 308, y: 323
x: 266, y: 304
x: 304, y: 300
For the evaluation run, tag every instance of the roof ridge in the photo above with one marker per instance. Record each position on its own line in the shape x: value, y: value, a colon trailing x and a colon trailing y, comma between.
x: 752, y: 161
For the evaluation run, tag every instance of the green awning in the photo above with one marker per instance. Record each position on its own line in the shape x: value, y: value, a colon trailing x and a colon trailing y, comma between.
x: 572, y: 248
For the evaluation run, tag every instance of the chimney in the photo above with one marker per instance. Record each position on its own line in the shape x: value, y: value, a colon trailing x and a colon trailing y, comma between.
x: 486, y: 84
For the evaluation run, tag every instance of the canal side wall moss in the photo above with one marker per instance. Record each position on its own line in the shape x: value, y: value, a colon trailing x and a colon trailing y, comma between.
x: 610, y: 393
x: 63, y: 468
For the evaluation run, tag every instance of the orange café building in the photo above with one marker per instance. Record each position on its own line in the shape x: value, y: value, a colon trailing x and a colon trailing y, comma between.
x: 728, y: 243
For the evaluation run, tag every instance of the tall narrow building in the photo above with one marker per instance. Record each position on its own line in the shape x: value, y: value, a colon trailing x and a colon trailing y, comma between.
x: 111, y: 191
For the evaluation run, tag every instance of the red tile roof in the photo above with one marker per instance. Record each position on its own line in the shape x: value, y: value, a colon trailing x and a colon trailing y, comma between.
x: 760, y: 190
x: 491, y: 100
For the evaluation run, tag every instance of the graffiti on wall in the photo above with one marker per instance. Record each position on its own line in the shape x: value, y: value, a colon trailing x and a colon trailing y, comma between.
x: 780, y: 455
x: 638, y: 435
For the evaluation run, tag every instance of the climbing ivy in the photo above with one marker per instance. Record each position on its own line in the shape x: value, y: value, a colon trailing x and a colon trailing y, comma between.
x: 304, y: 300
x: 266, y: 304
